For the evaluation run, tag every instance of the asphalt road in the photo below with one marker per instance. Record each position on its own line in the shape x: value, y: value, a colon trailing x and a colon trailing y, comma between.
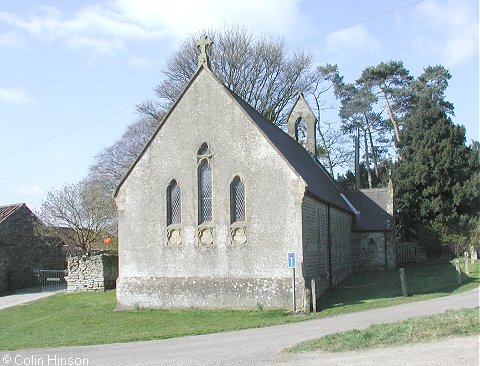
x: 263, y: 346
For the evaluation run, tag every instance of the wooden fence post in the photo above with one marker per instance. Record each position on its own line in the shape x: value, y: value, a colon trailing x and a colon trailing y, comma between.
x: 403, y: 282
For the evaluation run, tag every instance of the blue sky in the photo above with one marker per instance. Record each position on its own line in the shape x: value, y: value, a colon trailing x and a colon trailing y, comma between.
x: 66, y: 64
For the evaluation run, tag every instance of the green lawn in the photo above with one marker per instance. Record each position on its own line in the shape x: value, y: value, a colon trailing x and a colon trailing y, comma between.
x: 457, y: 323
x: 89, y: 318
x: 365, y: 291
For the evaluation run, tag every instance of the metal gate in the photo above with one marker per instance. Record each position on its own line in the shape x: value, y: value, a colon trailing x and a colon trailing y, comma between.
x: 51, y: 280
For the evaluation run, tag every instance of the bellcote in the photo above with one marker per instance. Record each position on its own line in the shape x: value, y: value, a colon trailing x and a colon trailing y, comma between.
x: 302, y: 124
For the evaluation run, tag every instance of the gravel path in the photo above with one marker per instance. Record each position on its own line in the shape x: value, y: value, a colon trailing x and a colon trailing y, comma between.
x: 22, y: 297
x: 263, y: 346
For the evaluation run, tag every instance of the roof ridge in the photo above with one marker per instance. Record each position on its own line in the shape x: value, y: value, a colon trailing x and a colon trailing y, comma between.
x: 165, y: 117
x: 8, y: 210
x: 12, y: 204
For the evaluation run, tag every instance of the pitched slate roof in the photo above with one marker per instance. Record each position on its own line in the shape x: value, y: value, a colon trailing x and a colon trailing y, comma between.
x: 319, y: 182
x: 6, y: 211
x: 372, y: 204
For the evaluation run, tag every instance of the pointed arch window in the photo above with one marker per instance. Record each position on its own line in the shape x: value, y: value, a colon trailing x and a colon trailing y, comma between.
x: 174, y: 204
x: 204, y: 185
x: 237, y: 200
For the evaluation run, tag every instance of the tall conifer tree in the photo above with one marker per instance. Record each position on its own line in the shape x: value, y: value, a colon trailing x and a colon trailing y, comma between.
x: 437, y: 181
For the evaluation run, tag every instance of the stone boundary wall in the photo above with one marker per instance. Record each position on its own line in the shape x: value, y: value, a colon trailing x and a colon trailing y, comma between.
x: 93, y: 273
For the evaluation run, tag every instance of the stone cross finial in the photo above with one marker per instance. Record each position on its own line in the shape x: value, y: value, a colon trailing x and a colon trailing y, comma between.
x: 203, y: 43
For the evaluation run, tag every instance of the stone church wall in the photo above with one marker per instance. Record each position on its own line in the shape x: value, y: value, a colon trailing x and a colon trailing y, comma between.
x: 341, y: 246
x: 315, y: 239
x: 316, y: 245
x: 373, y: 251
x: 156, y: 272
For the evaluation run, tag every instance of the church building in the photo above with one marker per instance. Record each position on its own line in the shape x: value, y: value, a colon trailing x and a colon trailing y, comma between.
x: 220, y: 195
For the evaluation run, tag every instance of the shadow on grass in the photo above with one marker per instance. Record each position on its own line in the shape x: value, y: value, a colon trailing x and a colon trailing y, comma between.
x: 378, y: 289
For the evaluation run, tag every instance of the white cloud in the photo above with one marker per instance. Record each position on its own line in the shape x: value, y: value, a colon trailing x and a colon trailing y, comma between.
x: 14, y: 95
x: 452, y: 27
x: 95, y: 27
x: 30, y: 190
x: 178, y: 18
x: 106, y: 27
x: 11, y: 39
x: 99, y: 46
x: 352, y: 40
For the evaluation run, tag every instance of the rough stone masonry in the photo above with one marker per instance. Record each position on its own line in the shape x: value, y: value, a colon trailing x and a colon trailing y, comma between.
x: 92, y: 273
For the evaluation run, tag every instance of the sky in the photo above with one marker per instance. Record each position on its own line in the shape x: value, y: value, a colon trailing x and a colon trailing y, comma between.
x: 72, y: 72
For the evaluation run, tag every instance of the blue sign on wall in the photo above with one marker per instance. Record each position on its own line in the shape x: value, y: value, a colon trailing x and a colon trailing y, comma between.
x: 291, y: 260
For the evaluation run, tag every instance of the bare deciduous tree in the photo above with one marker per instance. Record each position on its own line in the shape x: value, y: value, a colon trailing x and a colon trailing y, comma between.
x: 113, y: 162
x: 261, y: 71
x: 78, y: 214
x: 333, y: 149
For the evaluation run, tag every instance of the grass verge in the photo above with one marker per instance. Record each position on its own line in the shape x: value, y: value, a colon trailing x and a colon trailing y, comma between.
x: 89, y: 318
x: 464, y: 322
x: 370, y: 290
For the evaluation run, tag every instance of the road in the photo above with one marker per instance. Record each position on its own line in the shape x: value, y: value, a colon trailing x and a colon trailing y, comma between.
x: 263, y: 346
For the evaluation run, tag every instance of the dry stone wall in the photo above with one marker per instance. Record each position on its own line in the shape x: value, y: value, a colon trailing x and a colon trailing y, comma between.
x: 93, y: 273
